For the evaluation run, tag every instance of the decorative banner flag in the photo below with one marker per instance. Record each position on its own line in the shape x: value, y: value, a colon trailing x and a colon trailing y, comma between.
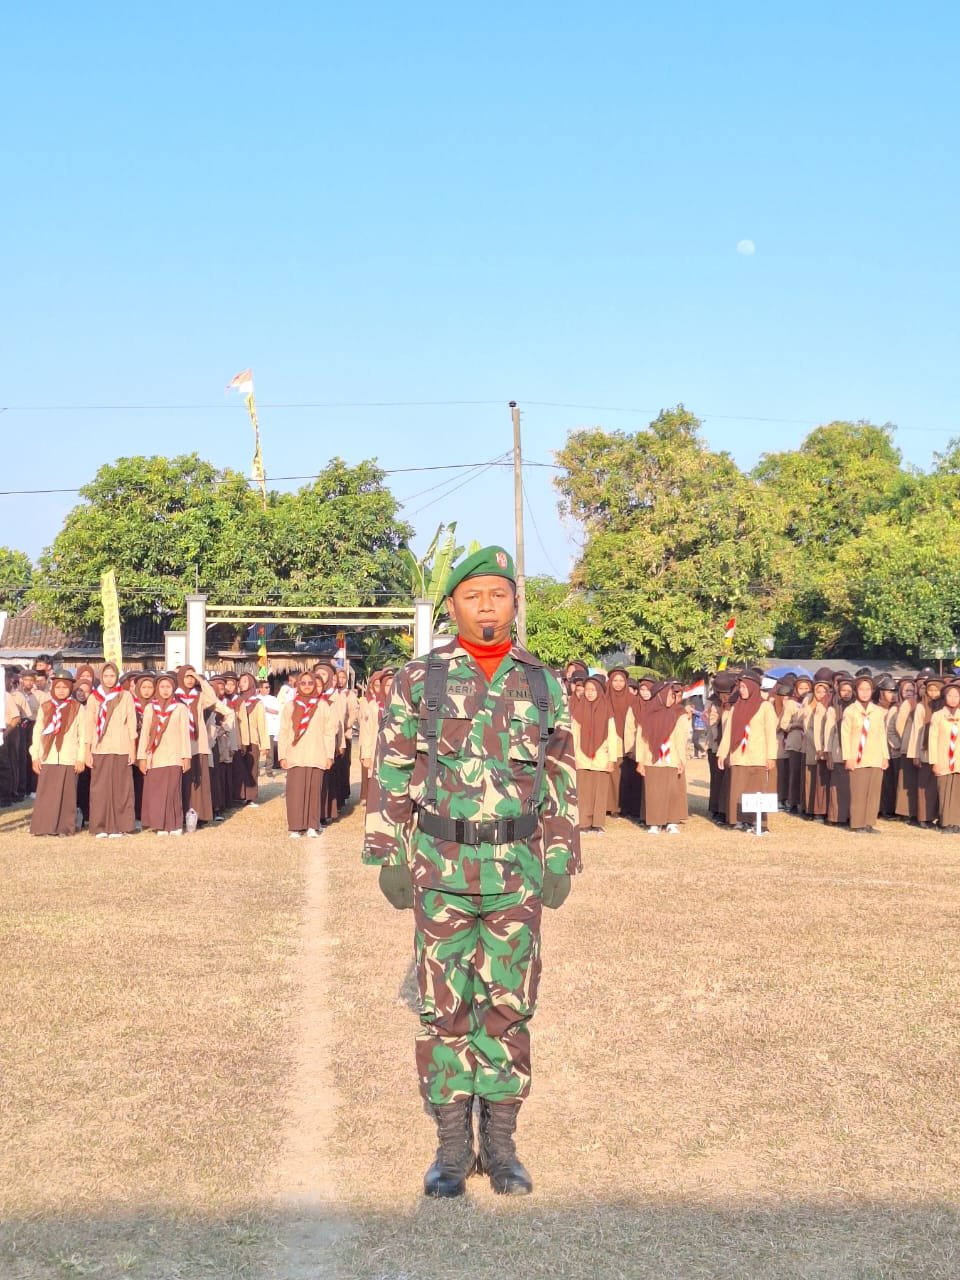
x: 697, y: 690
x: 242, y: 382
x: 728, y: 631
x: 112, y: 649
x: 263, y: 670
x: 341, y: 658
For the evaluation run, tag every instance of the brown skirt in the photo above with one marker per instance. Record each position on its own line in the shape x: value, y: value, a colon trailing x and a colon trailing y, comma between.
x: 906, y: 806
x: 888, y: 789
x: 613, y: 803
x: 55, y: 808
x: 928, y: 797
x: 949, y: 789
x: 593, y: 792
x: 838, y: 795
x: 196, y: 788
x: 746, y: 778
x: 111, y: 795
x: 163, y: 798
x: 246, y: 766
x: 303, y: 797
x: 865, y: 787
x: 665, y: 795
x: 719, y: 788
x: 818, y: 789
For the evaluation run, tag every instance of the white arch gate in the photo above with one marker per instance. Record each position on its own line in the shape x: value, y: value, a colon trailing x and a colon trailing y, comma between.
x: 191, y: 645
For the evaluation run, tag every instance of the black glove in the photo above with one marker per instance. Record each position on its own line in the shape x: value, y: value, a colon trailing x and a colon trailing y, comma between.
x: 396, y: 885
x: 555, y: 889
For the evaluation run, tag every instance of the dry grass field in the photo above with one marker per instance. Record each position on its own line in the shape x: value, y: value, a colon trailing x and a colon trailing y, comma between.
x: 746, y: 1063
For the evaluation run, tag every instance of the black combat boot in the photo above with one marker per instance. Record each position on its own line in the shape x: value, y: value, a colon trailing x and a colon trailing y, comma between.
x: 498, y: 1155
x: 455, y: 1159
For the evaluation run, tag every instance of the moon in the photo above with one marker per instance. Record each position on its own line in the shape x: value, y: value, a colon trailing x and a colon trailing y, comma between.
x: 746, y: 248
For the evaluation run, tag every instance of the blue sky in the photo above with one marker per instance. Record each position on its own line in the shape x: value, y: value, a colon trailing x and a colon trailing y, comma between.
x: 444, y: 203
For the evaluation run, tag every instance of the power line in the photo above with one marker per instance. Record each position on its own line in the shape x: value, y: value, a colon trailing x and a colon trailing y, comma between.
x: 461, y: 482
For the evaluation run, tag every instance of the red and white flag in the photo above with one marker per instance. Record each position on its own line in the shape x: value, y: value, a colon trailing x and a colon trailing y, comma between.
x: 729, y: 629
x: 242, y: 382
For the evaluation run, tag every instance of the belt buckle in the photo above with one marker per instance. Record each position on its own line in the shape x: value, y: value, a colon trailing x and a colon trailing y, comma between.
x: 487, y: 831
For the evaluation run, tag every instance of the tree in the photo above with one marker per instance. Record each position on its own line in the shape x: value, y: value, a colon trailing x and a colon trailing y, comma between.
x: 16, y: 573
x: 562, y: 623
x: 169, y: 526
x: 678, y: 539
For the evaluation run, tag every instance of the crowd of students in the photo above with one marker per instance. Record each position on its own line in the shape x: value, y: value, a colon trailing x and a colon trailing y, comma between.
x: 172, y: 751
x: 839, y: 748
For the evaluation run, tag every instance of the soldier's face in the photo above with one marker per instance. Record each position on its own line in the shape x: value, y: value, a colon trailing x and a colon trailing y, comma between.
x: 483, y: 609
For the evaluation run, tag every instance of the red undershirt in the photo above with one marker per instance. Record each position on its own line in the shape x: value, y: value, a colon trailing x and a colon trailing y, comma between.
x: 487, y: 656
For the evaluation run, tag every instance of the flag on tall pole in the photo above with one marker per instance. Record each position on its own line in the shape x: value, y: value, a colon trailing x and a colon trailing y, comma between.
x: 243, y: 382
x: 112, y: 649
x: 728, y: 632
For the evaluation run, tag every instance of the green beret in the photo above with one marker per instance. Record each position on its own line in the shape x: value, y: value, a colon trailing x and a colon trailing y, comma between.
x: 493, y: 561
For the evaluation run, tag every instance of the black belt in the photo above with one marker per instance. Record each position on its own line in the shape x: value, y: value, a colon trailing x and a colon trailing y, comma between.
x: 486, y: 831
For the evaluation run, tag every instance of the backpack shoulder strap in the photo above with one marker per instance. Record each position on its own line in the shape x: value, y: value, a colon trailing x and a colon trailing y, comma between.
x: 537, y: 681
x: 434, y: 687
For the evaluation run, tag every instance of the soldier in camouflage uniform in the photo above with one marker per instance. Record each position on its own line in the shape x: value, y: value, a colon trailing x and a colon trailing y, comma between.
x: 472, y: 818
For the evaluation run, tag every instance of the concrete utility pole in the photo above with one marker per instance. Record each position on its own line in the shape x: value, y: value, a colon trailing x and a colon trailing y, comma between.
x: 518, y: 520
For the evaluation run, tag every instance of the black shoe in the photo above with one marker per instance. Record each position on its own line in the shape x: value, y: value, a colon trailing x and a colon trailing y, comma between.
x: 455, y: 1159
x: 498, y: 1155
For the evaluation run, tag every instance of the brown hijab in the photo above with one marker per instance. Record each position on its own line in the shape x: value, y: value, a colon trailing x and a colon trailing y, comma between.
x: 593, y: 718
x: 659, y: 720
x: 744, y: 709
x: 621, y: 700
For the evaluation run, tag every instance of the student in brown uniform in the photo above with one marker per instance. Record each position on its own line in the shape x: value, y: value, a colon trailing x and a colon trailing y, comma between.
x: 718, y: 705
x: 906, y: 801
x: 632, y: 795
x: 31, y: 707
x: 886, y: 699
x: 307, y: 742
x: 165, y: 757
x: 943, y: 747
x: 57, y: 751
x: 196, y: 696
x: 595, y: 743
x: 838, y: 793
x: 369, y: 715
x: 791, y: 726
x: 661, y: 760
x: 928, y: 795
x: 863, y: 741
x: 748, y: 747
x: 143, y: 691
x: 816, y: 747
x: 351, y: 721
x: 778, y: 698
x: 254, y: 739
x: 330, y: 791
x: 622, y: 701
x: 110, y: 735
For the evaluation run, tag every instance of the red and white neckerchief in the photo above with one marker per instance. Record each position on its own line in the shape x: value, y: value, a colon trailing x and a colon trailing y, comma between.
x: 250, y: 702
x: 190, y: 700
x: 746, y: 737
x: 104, y: 699
x: 56, y: 719
x: 161, y: 718
x: 665, y: 752
x: 864, y: 731
x: 952, y: 747
x: 308, y: 708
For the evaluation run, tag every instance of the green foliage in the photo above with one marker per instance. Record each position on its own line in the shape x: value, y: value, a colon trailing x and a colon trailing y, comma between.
x: 562, y: 623
x: 16, y: 573
x: 835, y: 547
x: 170, y: 525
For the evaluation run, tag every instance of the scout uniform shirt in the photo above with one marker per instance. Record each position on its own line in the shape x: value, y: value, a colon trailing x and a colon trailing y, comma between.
x: 174, y: 746
x: 318, y: 744
x: 673, y: 753
x: 486, y: 762
x: 791, y: 724
x: 608, y: 751
x: 119, y: 733
x: 74, y: 741
x: 943, y: 744
x: 761, y: 746
x: 815, y: 732
x: 863, y: 736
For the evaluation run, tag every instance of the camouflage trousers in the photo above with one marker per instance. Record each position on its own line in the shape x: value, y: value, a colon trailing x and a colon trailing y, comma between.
x: 478, y: 966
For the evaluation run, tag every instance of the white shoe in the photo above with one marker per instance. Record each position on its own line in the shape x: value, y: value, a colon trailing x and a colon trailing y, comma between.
x: 252, y: 804
x: 178, y: 832
x: 163, y: 833
x: 653, y: 831
x: 295, y: 835
x: 116, y: 835
x: 219, y: 817
x: 138, y: 826
x: 672, y: 829
x: 313, y: 833
x: 101, y: 835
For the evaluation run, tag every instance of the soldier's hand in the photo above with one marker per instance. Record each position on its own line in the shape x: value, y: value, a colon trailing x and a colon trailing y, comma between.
x: 396, y: 885
x: 555, y: 889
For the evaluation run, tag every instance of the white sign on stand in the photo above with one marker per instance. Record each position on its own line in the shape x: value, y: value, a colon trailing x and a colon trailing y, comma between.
x: 759, y: 802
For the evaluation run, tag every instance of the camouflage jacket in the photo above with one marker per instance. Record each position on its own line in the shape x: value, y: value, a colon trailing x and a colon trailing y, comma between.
x: 487, y: 757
